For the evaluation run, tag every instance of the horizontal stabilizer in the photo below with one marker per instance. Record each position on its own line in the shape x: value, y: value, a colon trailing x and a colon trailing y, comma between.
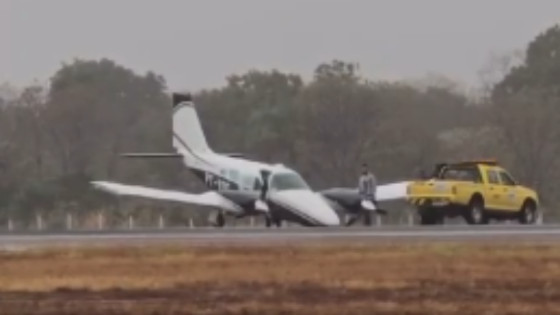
x: 152, y: 155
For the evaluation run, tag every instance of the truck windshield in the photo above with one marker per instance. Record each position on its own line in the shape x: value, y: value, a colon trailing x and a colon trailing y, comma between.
x: 287, y: 181
x: 466, y: 174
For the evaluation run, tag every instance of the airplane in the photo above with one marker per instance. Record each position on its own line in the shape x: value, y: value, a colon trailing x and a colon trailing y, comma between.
x: 240, y: 187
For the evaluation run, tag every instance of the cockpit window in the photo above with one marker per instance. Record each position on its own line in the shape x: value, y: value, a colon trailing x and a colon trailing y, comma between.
x: 287, y: 181
x: 257, y: 185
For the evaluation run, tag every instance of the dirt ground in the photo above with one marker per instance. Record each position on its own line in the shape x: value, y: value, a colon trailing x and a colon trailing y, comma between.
x: 287, y: 279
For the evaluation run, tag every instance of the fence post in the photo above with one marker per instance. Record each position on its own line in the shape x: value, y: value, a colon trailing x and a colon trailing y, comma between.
x: 10, y: 225
x: 191, y: 223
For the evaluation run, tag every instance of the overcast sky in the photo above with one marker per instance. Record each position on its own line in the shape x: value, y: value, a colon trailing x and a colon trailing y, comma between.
x: 197, y: 43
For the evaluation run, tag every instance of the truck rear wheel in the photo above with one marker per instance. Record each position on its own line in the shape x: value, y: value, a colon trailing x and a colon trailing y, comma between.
x: 475, y: 213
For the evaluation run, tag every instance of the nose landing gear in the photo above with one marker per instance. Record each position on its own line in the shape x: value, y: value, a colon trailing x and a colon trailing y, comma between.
x: 270, y: 221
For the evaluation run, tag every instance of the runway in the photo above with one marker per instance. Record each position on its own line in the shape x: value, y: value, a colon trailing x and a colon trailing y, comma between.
x: 292, y: 235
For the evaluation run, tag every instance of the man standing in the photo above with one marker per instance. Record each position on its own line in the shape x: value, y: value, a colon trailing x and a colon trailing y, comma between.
x: 367, y: 186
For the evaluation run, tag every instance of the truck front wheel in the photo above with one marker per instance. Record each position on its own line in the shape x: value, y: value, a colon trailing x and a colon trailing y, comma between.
x: 528, y: 214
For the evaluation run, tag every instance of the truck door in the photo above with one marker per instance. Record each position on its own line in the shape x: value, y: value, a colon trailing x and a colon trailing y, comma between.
x: 512, y: 199
x: 494, y: 193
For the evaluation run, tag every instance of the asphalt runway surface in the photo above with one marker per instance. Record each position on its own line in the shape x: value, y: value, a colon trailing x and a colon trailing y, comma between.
x: 289, y: 235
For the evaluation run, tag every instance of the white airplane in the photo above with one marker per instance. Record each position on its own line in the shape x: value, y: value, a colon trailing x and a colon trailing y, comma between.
x: 240, y: 187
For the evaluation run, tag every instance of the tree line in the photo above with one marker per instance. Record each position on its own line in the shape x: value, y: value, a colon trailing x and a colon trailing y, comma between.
x: 54, y: 140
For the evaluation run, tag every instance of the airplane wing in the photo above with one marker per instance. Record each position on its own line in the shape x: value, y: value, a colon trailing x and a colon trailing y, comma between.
x: 210, y: 199
x: 385, y: 192
x: 392, y: 191
x: 350, y: 199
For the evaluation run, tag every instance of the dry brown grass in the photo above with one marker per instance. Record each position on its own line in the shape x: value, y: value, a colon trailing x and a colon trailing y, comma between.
x: 309, y: 279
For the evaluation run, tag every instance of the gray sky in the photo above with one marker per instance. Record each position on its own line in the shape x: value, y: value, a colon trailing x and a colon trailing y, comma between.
x: 196, y: 43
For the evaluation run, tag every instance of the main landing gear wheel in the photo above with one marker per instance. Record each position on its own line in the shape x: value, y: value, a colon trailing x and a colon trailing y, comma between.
x: 218, y: 220
x: 528, y: 213
x: 476, y: 214
x: 272, y: 221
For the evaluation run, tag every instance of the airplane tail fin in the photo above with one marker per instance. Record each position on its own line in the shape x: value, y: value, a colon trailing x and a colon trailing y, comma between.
x: 188, y: 136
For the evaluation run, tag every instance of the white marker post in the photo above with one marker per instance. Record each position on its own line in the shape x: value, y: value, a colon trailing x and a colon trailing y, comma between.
x: 191, y: 223
x: 10, y: 225
x: 130, y: 222
x: 161, y: 222
x: 410, y: 217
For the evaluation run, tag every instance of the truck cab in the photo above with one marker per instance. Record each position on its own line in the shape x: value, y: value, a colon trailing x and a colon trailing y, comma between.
x: 476, y: 190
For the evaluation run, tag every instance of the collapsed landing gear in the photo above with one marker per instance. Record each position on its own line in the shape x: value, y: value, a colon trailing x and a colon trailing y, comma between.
x: 270, y: 221
x: 218, y: 219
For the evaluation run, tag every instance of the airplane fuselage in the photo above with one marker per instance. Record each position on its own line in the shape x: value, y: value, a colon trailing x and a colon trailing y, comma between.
x: 288, y: 196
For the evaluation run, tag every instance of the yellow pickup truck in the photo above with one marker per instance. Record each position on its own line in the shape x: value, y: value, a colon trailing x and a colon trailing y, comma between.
x: 476, y: 190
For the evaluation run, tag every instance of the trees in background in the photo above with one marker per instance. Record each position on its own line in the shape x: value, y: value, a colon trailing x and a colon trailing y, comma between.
x: 56, y: 141
x: 53, y: 141
x: 526, y: 109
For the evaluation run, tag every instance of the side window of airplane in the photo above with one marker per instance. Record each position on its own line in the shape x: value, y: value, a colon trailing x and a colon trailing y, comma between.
x: 234, y: 176
x: 247, y: 182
